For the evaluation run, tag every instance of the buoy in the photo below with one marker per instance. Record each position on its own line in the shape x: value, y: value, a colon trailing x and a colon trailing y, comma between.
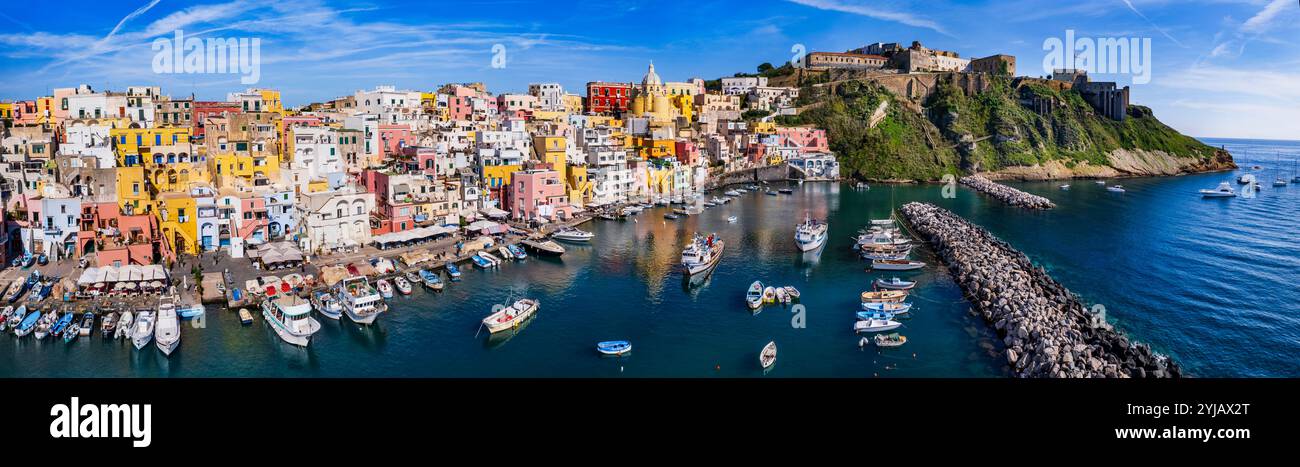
x: 717, y: 367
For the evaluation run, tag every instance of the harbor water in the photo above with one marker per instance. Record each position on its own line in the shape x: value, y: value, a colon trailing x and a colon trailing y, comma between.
x: 1210, y: 282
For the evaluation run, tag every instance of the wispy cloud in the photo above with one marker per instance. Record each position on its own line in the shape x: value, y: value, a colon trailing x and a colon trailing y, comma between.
x: 1129, y: 4
x: 1254, y: 29
x: 875, y: 11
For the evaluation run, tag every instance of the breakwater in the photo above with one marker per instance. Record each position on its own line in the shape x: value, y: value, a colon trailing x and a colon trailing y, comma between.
x: 1047, y: 331
x: 1006, y: 194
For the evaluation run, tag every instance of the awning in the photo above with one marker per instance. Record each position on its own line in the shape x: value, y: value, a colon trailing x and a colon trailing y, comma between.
x: 494, y: 212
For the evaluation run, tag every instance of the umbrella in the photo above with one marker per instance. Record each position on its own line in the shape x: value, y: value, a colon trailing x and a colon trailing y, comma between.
x: 284, y: 287
x: 270, y: 291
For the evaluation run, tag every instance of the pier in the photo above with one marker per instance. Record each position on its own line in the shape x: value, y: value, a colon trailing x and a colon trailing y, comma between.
x: 1006, y: 194
x: 1047, y: 331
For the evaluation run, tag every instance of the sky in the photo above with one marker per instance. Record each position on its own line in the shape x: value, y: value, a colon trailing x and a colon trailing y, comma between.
x: 1219, y: 68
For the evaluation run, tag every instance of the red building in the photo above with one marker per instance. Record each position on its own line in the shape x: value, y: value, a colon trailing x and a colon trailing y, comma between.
x: 205, y: 109
x: 605, y: 97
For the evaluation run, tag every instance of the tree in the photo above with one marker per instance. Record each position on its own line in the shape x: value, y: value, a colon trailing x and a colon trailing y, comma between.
x: 765, y: 67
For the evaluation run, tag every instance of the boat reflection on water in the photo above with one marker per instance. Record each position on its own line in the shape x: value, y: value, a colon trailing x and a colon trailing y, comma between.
x: 808, y: 259
x: 694, y: 284
x: 372, y: 337
x: 497, y: 339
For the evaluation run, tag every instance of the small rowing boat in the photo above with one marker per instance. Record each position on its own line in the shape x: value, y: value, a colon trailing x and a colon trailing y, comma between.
x: 754, y: 296
x: 403, y: 286
x: 452, y: 271
x: 792, y: 292
x: 767, y: 357
x: 896, y: 308
x: 884, y: 296
x: 431, y: 280
x: 876, y: 325
x: 896, y: 264
x: 869, y: 315
x: 614, y: 347
x: 385, y: 288
x: 894, y: 283
x: 769, y: 294
x: 890, y: 340
x: 245, y: 317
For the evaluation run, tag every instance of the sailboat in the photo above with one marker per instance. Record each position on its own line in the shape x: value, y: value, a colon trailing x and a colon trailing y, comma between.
x: 1280, y: 180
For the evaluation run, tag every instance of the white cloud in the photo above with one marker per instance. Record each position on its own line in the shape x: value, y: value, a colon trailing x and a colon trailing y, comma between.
x: 872, y: 11
x: 1264, y: 19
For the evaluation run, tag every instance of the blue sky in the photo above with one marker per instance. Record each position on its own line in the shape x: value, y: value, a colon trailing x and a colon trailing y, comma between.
x: 1228, y: 68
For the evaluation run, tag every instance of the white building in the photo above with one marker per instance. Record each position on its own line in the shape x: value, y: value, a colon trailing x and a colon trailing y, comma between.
x: 550, y: 96
x: 334, y: 219
x: 742, y: 85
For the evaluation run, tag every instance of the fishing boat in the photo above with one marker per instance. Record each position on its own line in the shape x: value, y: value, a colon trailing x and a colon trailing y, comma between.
x: 511, y: 316
x: 290, y: 318
x: 614, y: 347
x: 62, y: 324
x: 403, y: 286
x: 16, y: 289
x: 360, y: 301
x: 754, y: 296
x: 245, y: 317
x: 1115, y: 188
x: 5, y: 315
x: 142, y: 330
x: 28, y: 260
x: 431, y: 280
x: 894, y: 283
x: 570, y: 234
x: 897, y: 308
x: 385, y: 289
x: 517, y: 251
x: 896, y: 265
x: 452, y: 271
x: 1224, y: 190
x: 108, y: 325
x: 491, y: 258
x: 896, y: 255
x: 811, y: 234
x: 890, y: 340
x: 326, y: 304
x: 731, y: 219
x: 702, y: 254
x: 681, y: 212
x: 87, y: 324
x: 17, y: 316
x: 480, y: 261
x: 731, y: 193
x: 191, y: 311
x: 868, y: 315
x: 876, y: 325
x: 167, y: 332
x: 124, y: 321
x: 769, y: 294
x: 884, y: 296
x: 767, y: 357
x: 791, y: 292
x: 28, y: 323
x: 71, y: 333
x: 786, y: 191
x: 543, y: 247
x: 504, y: 253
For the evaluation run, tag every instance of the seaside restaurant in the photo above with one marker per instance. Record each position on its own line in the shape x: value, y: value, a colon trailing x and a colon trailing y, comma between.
x: 122, y: 280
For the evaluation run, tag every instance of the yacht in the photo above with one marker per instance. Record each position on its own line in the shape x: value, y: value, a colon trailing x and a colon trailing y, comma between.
x: 1116, y: 188
x: 511, y: 316
x: 360, y: 301
x: 1224, y: 190
x: 326, y: 305
x: 1245, y: 179
x: 291, y: 319
x: 167, y: 332
x: 702, y: 255
x: 810, y: 235
x: 142, y: 330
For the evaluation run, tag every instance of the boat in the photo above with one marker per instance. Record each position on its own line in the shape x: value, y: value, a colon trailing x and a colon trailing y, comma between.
x: 543, y: 247
x: 61, y: 325
x: 511, y: 316
x: 504, y: 253
x: 385, y: 289
x: 290, y: 318
x: 71, y: 333
x: 245, y: 317
x: 1100, y: 182
x: 791, y: 292
x: 491, y: 258
x: 614, y: 347
x: 124, y: 321
x: 868, y: 315
x: 876, y: 325
x: 431, y: 280
x: 87, y: 324
x: 1115, y: 188
x: 167, y: 332
x: 731, y: 219
x: 28, y: 260
x: 771, y: 193
x: 671, y: 216
x: 1279, y: 182
x: 681, y: 212
x: 28, y: 323
x: 894, y: 283
x: 453, y: 271
x: 896, y: 308
x: 16, y: 290
x: 786, y: 191
x: 142, y: 330
x: 5, y: 315
x: 42, y: 259
x: 571, y: 234
x: 896, y: 264
x: 1224, y: 190
x: 1065, y: 186
x: 517, y: 251
x: 403, y: 286
x: 767, y: 357
x: 780, y: 295
x: 769, y: 294
x: 702, y: 254
x: 326, y: 304
x: 731, y: 193
x: 884, y: 296
x: 17, y: 316
x: 890, y: 340
x: 810, y: 235
x: 878, y: 255
x: 108, y: 325
x: 191, y: 311
x: 43, y: 325
x: 480, y: 261
x: 754, y: 296
x: 1246, y: 179
x: 361, y: 302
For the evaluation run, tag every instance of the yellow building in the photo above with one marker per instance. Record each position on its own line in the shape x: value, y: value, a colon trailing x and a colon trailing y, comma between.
x: 173, y: 167
x: 552, y: 150
x: 132, y: 189
x: 242, y: 147
x: 579, y: 185
x: 550, y: 116
x: 648, y: 148
x: 498, y: 176
x: 6, y: 110
x: 45, y: 111
x: 572, y: 103
x: 271, y: 101
x: 127, y: 142
x: 685, y: 105
x: 762, y: 127
x: 178, y: 219
x: 651, y: 100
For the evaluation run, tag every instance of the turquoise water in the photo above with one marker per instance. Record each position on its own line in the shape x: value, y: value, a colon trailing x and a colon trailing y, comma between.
x: 1211, y: 282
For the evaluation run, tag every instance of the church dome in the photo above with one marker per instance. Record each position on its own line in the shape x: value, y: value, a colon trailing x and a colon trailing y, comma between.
x: 651, y: 78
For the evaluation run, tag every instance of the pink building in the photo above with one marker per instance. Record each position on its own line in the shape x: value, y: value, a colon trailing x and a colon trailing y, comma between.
x: 538, y: 193
x: 392, y: 138
x: 687, y: 152
x: 426, y: 159
x: 807, y: 139
x: 460, y: 103
x: 117, y: 239
x: 253, y: 222
x: 394, y: 202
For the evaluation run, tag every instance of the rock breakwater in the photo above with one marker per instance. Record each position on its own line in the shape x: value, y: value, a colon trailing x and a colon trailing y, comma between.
x: 1006, y: 194
x: 1046, y: 330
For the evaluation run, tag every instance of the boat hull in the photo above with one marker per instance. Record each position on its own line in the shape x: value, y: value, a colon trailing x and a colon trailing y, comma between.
x: 367, y: 318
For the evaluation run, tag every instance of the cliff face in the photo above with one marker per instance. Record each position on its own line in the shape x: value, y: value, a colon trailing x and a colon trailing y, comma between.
x: 1024, y: 128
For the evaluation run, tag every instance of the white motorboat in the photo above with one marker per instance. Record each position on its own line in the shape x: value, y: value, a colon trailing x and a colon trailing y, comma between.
x: 702, y: 254
x: 894, y: 283
x: 897, y: 255
x: 754, y: 296
x: 385, y: 289
x: 124, y: 322
x: 543, y: 247
x: 896, y: 265
x: 403, y: 285
x: 769, y: 294
x: 810, y: 235
x: 142, y: 331
x: 570, y: 234
x: 290, y: 317
x: 1100, y: 182
x: 1115, y: 188
x: 876, y: 325
x: 1224, y: 190
x: 511, y: 316
x: 167, y: 332
x: 1065, y: 186
x: 360, y: 301
x: 731, y: 193
x: 767, y: 357
x: 326, y: 304
x: 1246, y: 179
